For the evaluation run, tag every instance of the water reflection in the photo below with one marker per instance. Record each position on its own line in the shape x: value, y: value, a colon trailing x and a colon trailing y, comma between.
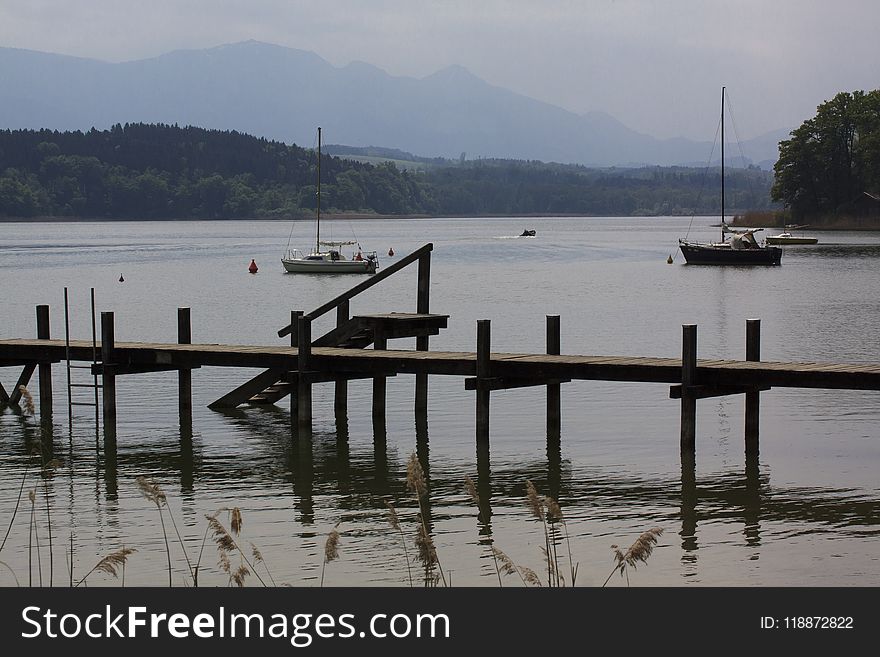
x: 323, y: 469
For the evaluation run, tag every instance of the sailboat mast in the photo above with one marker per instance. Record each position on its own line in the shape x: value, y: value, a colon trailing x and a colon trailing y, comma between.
x: 318, y: 213
x: 722, y: 163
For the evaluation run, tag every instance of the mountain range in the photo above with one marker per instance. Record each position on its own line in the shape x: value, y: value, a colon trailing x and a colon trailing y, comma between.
x: 283, y: 94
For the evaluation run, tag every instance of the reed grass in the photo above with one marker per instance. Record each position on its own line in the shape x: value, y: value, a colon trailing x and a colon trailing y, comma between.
x: 416, y: 483
x: 27, y: 400
x: 226, y: 545
x: 331, y: 550
x: 109, y: 563
x: 394, y: 521
x: 154, y: 494
x: 544, y: 509
x: 639, y: 551
x: 47, y: 472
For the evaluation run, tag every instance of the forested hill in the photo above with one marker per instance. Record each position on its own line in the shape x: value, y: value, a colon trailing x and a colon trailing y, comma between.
x: 148, y: 171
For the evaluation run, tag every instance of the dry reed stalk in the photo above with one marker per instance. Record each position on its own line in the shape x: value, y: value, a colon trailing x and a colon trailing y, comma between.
x: 110, y: 563
x: 226, y: 544
x: 331, y: 550
x: 31, y: 497
x: 154, y: 494
x: 258, y: 558
x: 427, y: 553
x: 48, y: 471
x: 529, y: 575
x: 554, y: 517
x: 394, y: 521
x: 415, y: 477
x: 28, y: 400
x: 639, y: 551
x: 235, y: 521
x: 17, y: 503
x: 507, y: 565
x: 11, y: 572
x: 535, y: 503
x: 417, y: 484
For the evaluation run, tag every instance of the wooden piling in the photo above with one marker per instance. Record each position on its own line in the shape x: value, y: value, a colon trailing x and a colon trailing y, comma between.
x: 294, y: 342
x: 688, y: 379
x: 423, y: 303
x: 108, y: 380
x: 554, y: 405
x: 379, y: 382
x: 184, y: 374
x: 483, y: 371
x: 45, y: 369
x: 340, y: 398
x: 303, y: 386
x: 753, y: 399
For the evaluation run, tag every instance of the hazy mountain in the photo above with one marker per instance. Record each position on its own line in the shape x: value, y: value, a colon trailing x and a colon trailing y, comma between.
x: 284, y: 94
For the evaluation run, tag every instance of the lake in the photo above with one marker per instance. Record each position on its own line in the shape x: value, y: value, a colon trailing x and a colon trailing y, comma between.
x: 804, y: 513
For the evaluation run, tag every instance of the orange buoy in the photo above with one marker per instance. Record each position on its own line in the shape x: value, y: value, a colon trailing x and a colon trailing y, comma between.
x: 253, y: 267
x: 390, y: 252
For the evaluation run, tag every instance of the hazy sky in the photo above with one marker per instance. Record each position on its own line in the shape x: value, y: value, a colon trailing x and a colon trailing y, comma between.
x: 656, y: 65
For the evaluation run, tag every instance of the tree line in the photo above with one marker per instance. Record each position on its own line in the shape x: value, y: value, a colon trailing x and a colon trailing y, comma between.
x: 157, y: 171
x: 832, y: 160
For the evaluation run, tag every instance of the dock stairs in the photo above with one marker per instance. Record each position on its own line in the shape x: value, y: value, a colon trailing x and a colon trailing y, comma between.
x: 357, y: 332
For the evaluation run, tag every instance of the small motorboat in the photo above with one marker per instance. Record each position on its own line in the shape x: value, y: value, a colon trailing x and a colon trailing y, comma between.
x: 528, y: 233
x: 786, y: 237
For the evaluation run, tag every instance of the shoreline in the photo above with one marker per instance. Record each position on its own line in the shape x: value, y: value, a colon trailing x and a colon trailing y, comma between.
x: 848, y: 224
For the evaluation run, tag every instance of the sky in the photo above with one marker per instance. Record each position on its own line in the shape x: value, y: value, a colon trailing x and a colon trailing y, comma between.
x: 656, y: 65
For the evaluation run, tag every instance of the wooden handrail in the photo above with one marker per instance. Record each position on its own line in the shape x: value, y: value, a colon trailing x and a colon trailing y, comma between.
x: 360, y: 287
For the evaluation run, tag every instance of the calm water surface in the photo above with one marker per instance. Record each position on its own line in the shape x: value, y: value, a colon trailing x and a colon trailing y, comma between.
x: 805, y: 513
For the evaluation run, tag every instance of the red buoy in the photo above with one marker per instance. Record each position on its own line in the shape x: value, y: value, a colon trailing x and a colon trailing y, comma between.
x: 390, y: 252
x: 253, y: 267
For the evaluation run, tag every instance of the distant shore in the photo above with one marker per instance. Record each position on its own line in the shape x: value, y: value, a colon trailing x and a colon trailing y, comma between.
x: 757, y: 219
x: 748, y: 220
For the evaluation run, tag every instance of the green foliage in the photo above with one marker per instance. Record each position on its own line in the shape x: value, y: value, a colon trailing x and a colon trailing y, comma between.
x: 831, y: 158
x: 141, y: 171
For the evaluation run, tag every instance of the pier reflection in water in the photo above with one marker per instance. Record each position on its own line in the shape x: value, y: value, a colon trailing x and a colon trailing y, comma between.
x: 331, y: 478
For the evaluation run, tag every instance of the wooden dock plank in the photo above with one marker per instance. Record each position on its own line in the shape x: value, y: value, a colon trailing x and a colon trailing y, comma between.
x: 859, y: 376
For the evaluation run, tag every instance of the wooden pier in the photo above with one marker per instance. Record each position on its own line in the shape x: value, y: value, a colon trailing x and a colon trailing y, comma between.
x: 341, y: 355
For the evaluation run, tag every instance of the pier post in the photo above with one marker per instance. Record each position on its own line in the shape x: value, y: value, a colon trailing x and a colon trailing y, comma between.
x: 483, y: 369
x: 303, y: 386
x: 554, y: 405
x: 688, y: 379
x: 108, y: 380
x: 379, y: 382
x: 753, y: 399
x: 294, y: 332
x: 184, y: 374
x: 423, y: 307
x: 340, y: 398
x: 45, y: 369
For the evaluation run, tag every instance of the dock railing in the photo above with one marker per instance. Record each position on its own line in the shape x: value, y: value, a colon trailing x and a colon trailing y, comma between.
x: 422, y: 255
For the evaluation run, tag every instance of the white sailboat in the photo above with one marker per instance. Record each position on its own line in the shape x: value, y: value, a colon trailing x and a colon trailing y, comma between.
x: 327, y: 257
x: 742, y: 249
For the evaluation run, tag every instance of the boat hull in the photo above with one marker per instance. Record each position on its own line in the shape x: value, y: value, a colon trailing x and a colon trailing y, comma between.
x: 708, y: 254
x: 792, y: 240
x: 329, y: 267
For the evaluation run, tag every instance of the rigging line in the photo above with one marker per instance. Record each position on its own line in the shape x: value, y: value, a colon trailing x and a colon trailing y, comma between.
x: 739, y: 146
x: 290, y: 235
x: 704, y: 177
